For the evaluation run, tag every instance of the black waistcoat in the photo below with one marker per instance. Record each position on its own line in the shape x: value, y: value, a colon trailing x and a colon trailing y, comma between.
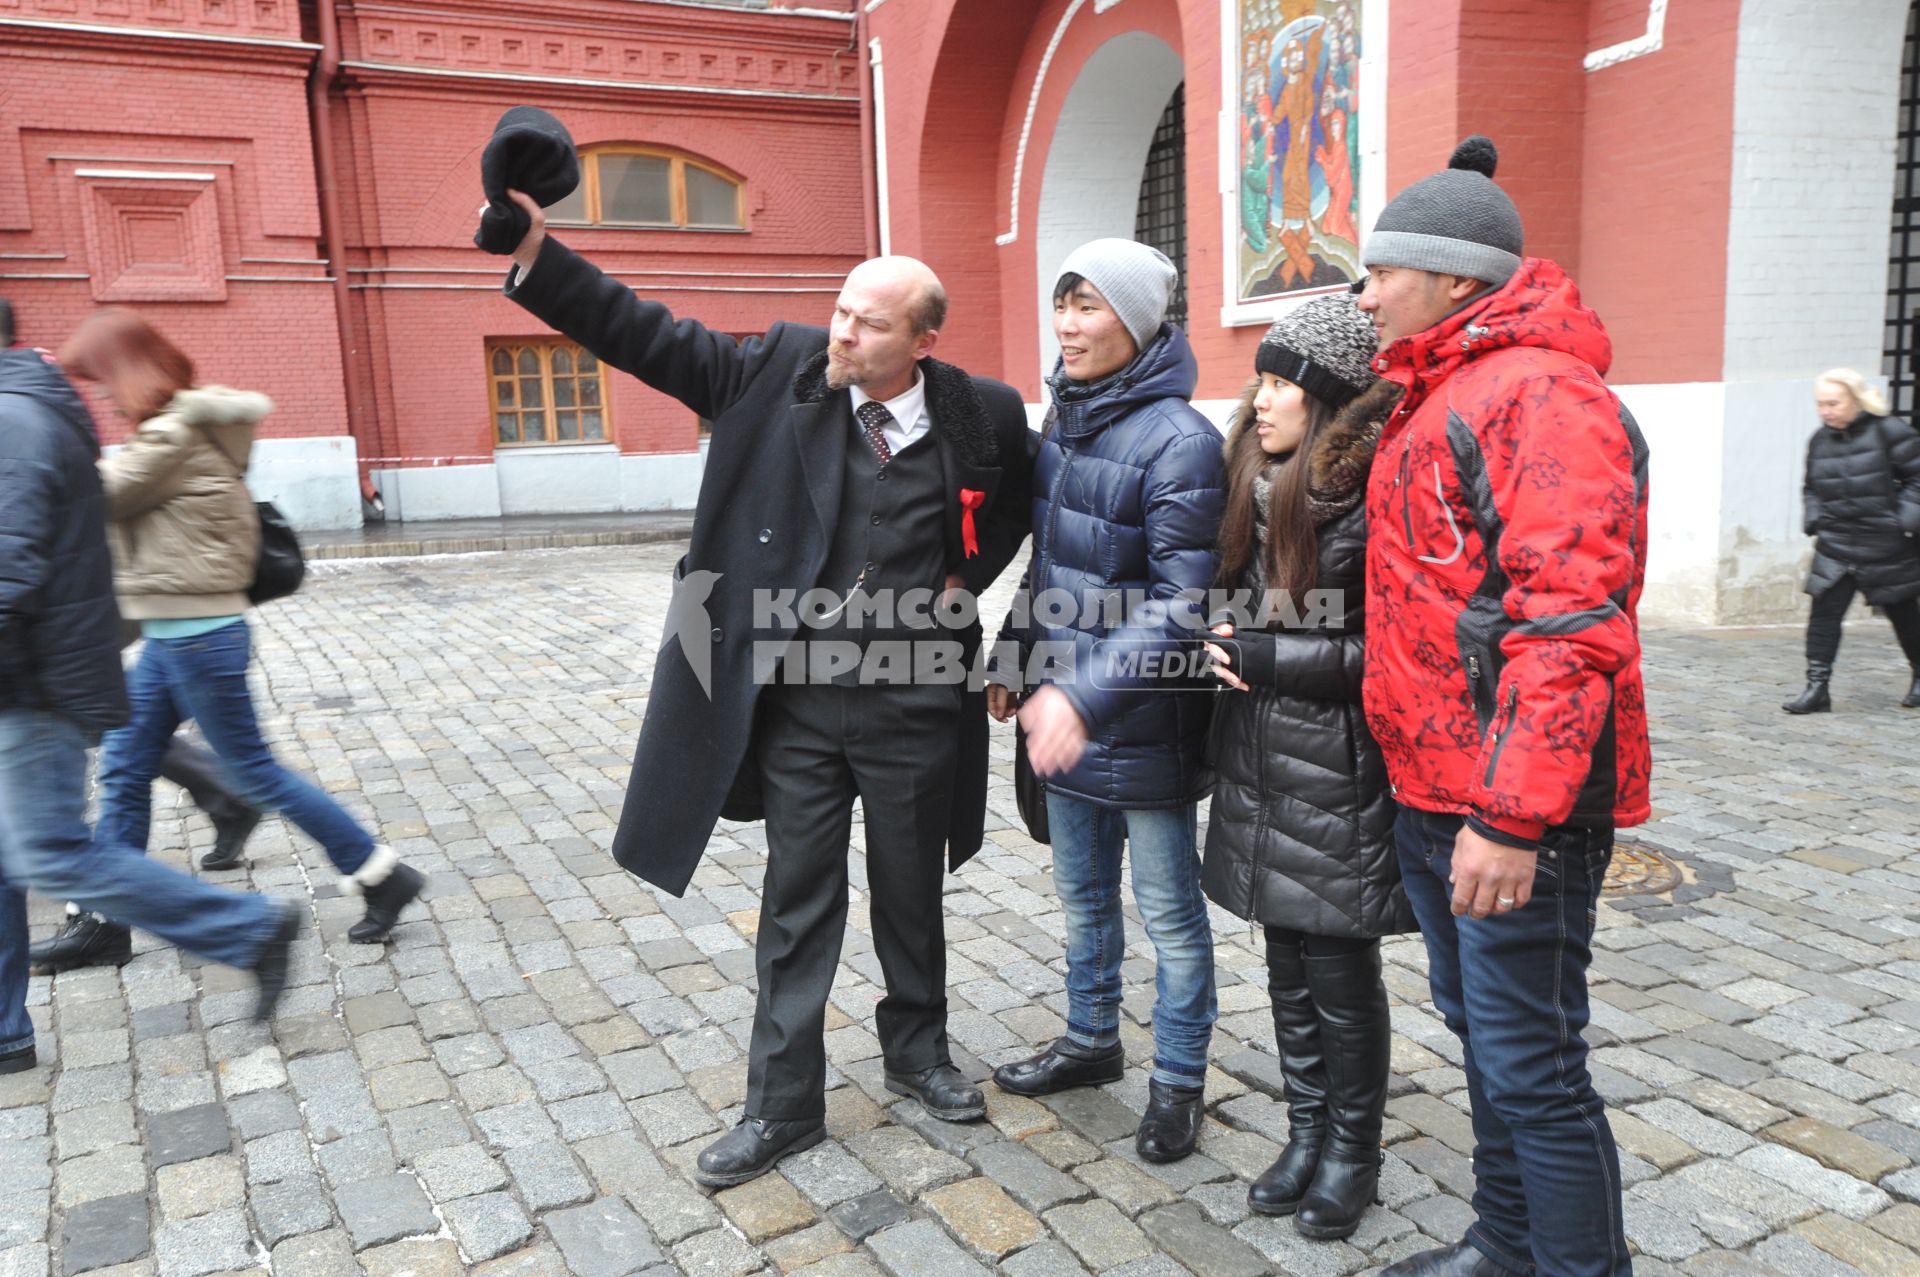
x: 891, y: 527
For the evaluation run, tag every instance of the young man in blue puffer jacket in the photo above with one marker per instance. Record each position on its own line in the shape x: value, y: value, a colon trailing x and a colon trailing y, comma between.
x: 1128, y: 493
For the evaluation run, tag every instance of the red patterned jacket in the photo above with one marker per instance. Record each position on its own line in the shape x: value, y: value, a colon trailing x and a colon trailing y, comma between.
x: 1506, y: 685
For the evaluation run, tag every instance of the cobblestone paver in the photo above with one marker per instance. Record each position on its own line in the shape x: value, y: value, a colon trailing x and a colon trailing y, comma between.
x: 520, y: 1082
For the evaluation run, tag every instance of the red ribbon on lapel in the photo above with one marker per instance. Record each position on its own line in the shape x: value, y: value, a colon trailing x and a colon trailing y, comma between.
x: 971, y: 499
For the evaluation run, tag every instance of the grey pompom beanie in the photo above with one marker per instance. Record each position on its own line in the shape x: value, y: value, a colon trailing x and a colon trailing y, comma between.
x: 1137, y: 281
x: 1456, y: 222
x: 1324, y: 346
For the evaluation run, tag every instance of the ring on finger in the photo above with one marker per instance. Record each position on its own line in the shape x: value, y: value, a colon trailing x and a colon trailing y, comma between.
x: 1505, y: 902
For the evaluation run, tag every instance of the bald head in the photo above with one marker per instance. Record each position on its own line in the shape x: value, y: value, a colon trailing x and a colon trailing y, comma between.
x: 886, y: 320
x: 906, y: 282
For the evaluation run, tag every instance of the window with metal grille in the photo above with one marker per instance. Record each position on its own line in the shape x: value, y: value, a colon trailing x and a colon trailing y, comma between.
x: 1902, y: 346
x: 1162, y: 216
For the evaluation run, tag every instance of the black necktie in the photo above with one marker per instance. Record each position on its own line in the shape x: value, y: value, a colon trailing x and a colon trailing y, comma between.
x: 873, y: 416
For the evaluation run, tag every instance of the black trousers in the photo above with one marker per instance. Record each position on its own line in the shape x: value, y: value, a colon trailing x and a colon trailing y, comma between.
x: 820, y: 746
x: 1830, y: 607
x: 198, y: 772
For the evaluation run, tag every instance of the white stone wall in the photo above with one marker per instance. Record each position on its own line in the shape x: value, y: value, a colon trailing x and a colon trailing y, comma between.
x: 1816, y: 93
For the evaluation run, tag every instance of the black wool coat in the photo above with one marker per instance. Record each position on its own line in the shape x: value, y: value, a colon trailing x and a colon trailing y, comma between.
x: 1300, y: 834
x: 59, y: 624
x: 763, y: 524
x: 1862, y: 493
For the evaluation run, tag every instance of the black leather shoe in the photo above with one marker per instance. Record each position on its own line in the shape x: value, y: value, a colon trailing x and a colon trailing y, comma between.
x: 18, y: 1060
x: 1912, y: 699
x: 942, y: 1092
x: 1062, y: 1066
x: 750, y: 1149
x: 1461, y: 1259
x: 270, y: 968
x: 87, y: 940
x: 394, y: 891
x: 230, y: 840
x: 1171, y: 1125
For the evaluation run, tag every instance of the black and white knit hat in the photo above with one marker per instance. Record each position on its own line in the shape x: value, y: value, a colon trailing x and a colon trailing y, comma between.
x: 1456, y: 222
x: 1324, y: 346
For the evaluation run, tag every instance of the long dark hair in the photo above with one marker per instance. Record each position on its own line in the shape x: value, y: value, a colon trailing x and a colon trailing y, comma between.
x: 1293, y: 540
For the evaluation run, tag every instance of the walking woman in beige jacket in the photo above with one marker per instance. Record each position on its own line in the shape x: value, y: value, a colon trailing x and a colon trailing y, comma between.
x: 186, y: 538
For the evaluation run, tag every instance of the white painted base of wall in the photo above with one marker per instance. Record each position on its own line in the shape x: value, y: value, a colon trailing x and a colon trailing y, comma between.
x: 589, y: 479
x: 315, y: 483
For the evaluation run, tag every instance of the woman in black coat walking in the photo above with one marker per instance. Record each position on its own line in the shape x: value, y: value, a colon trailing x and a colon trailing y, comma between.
x: 1300, y: 838
x: 1862, y: 492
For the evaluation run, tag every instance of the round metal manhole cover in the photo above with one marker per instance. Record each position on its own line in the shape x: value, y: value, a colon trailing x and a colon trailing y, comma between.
x: 1640, y: 870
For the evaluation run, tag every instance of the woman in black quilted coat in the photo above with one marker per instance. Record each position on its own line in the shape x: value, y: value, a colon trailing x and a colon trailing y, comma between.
x: 1862, y: 493
x: 1300, y: 838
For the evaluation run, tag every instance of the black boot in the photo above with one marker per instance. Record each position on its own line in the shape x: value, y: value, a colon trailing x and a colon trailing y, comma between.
x: 1816, y: 699
x: 1296, y: 1028
x: 1171, y: 1125
x: 88, y: 940
x: 1458, y: 1260
x: 1063, y: 1065
x: 270, y: 969
x: 389, y: 887
x: 1356, y: 1035
x: 750, y: 1149
x: 1912, y: 698
x: 230, y: 834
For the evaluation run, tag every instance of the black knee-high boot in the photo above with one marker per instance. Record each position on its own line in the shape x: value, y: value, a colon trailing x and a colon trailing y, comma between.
x: 1296, y: 1027
x: 1355, y: 1035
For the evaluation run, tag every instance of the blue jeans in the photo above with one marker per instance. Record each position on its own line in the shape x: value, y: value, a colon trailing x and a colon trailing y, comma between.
x: 1166, y: 886
x: 1513, y: 988
x: 45, y: 847
x: 204, y: 679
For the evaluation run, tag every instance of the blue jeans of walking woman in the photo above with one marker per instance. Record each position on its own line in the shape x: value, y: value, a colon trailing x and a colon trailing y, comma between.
x: 45, y: 847
x: 1513, y: 988
x: 1166, y: 885
x: 204, y: 679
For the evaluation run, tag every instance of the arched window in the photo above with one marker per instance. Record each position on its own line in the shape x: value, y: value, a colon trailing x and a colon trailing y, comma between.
x: 650, y: 186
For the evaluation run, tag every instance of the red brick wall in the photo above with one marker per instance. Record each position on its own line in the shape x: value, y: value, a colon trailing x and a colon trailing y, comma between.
x: 1658, y: 164
x: 408, y: 147
x: 237, y: 113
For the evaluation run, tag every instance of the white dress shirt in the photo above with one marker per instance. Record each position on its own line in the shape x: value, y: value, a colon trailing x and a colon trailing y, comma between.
x: 909, y: 409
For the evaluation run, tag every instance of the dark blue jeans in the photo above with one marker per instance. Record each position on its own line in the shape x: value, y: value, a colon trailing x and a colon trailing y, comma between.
x: 204, y: 679
x: 45, y: 847
x: 1513, y: 988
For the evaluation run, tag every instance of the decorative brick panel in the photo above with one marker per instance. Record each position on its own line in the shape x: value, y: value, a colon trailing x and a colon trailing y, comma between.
x: 153, y: 240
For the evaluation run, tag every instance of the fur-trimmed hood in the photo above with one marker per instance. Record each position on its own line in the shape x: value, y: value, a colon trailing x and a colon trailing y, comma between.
x: 958, y: 415
x: 1343, y: 455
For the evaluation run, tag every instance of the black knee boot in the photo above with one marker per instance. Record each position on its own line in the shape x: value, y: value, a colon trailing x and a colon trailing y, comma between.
x: 1816, y: 699
x: 1355, y: 1035
x: 1296, y: 1028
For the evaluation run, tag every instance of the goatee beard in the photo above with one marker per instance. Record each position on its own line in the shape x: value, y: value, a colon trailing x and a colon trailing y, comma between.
x: 840, y: 376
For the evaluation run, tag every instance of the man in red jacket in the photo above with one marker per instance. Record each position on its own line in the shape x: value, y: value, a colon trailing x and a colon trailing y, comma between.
x: 1507, y: 517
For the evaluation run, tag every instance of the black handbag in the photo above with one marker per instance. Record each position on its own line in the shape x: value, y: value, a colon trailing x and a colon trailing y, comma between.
x: 1028, y: 791
x: 281, y: 567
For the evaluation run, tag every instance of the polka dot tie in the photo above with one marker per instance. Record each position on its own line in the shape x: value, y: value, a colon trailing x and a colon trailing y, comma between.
x: 874, y: 417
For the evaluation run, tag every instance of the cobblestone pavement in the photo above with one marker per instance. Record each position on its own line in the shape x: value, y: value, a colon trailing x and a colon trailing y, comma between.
x: 519, y: 1084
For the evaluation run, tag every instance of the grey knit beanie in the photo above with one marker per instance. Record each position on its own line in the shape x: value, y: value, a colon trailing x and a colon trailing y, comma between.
x: 1325, y: 347
x: 1456, y: 222
x: 1136, y: 280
